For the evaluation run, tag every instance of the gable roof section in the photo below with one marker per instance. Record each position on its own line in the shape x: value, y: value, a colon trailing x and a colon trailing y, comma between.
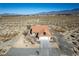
x: 40, y: 29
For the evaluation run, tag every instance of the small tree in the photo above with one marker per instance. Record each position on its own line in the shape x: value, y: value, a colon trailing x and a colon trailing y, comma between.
x: 28, y: 26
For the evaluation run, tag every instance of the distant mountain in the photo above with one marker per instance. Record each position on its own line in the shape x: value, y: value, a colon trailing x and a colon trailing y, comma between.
x: 73, y: 11
x: 77, y: 9
x: 9, y: 14
x: 63, y: 12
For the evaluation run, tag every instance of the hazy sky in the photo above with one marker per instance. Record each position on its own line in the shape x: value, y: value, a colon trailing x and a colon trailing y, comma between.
x: 30, y: 8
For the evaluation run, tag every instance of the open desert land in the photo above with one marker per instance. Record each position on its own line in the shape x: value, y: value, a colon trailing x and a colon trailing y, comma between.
x: 64, y: 29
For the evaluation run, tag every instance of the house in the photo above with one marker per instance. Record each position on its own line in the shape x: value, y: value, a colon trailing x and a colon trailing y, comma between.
x: 40, y: 30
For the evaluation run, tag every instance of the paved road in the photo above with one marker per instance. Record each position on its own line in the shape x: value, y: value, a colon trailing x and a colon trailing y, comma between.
x: 23, y: 52
x: 32, y: 52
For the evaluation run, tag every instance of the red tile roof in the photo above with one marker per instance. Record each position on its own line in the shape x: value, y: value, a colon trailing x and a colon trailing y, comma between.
x: 40, y: 29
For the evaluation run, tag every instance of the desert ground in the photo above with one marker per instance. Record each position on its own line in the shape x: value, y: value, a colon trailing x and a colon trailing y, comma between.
x: 14, y: 32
